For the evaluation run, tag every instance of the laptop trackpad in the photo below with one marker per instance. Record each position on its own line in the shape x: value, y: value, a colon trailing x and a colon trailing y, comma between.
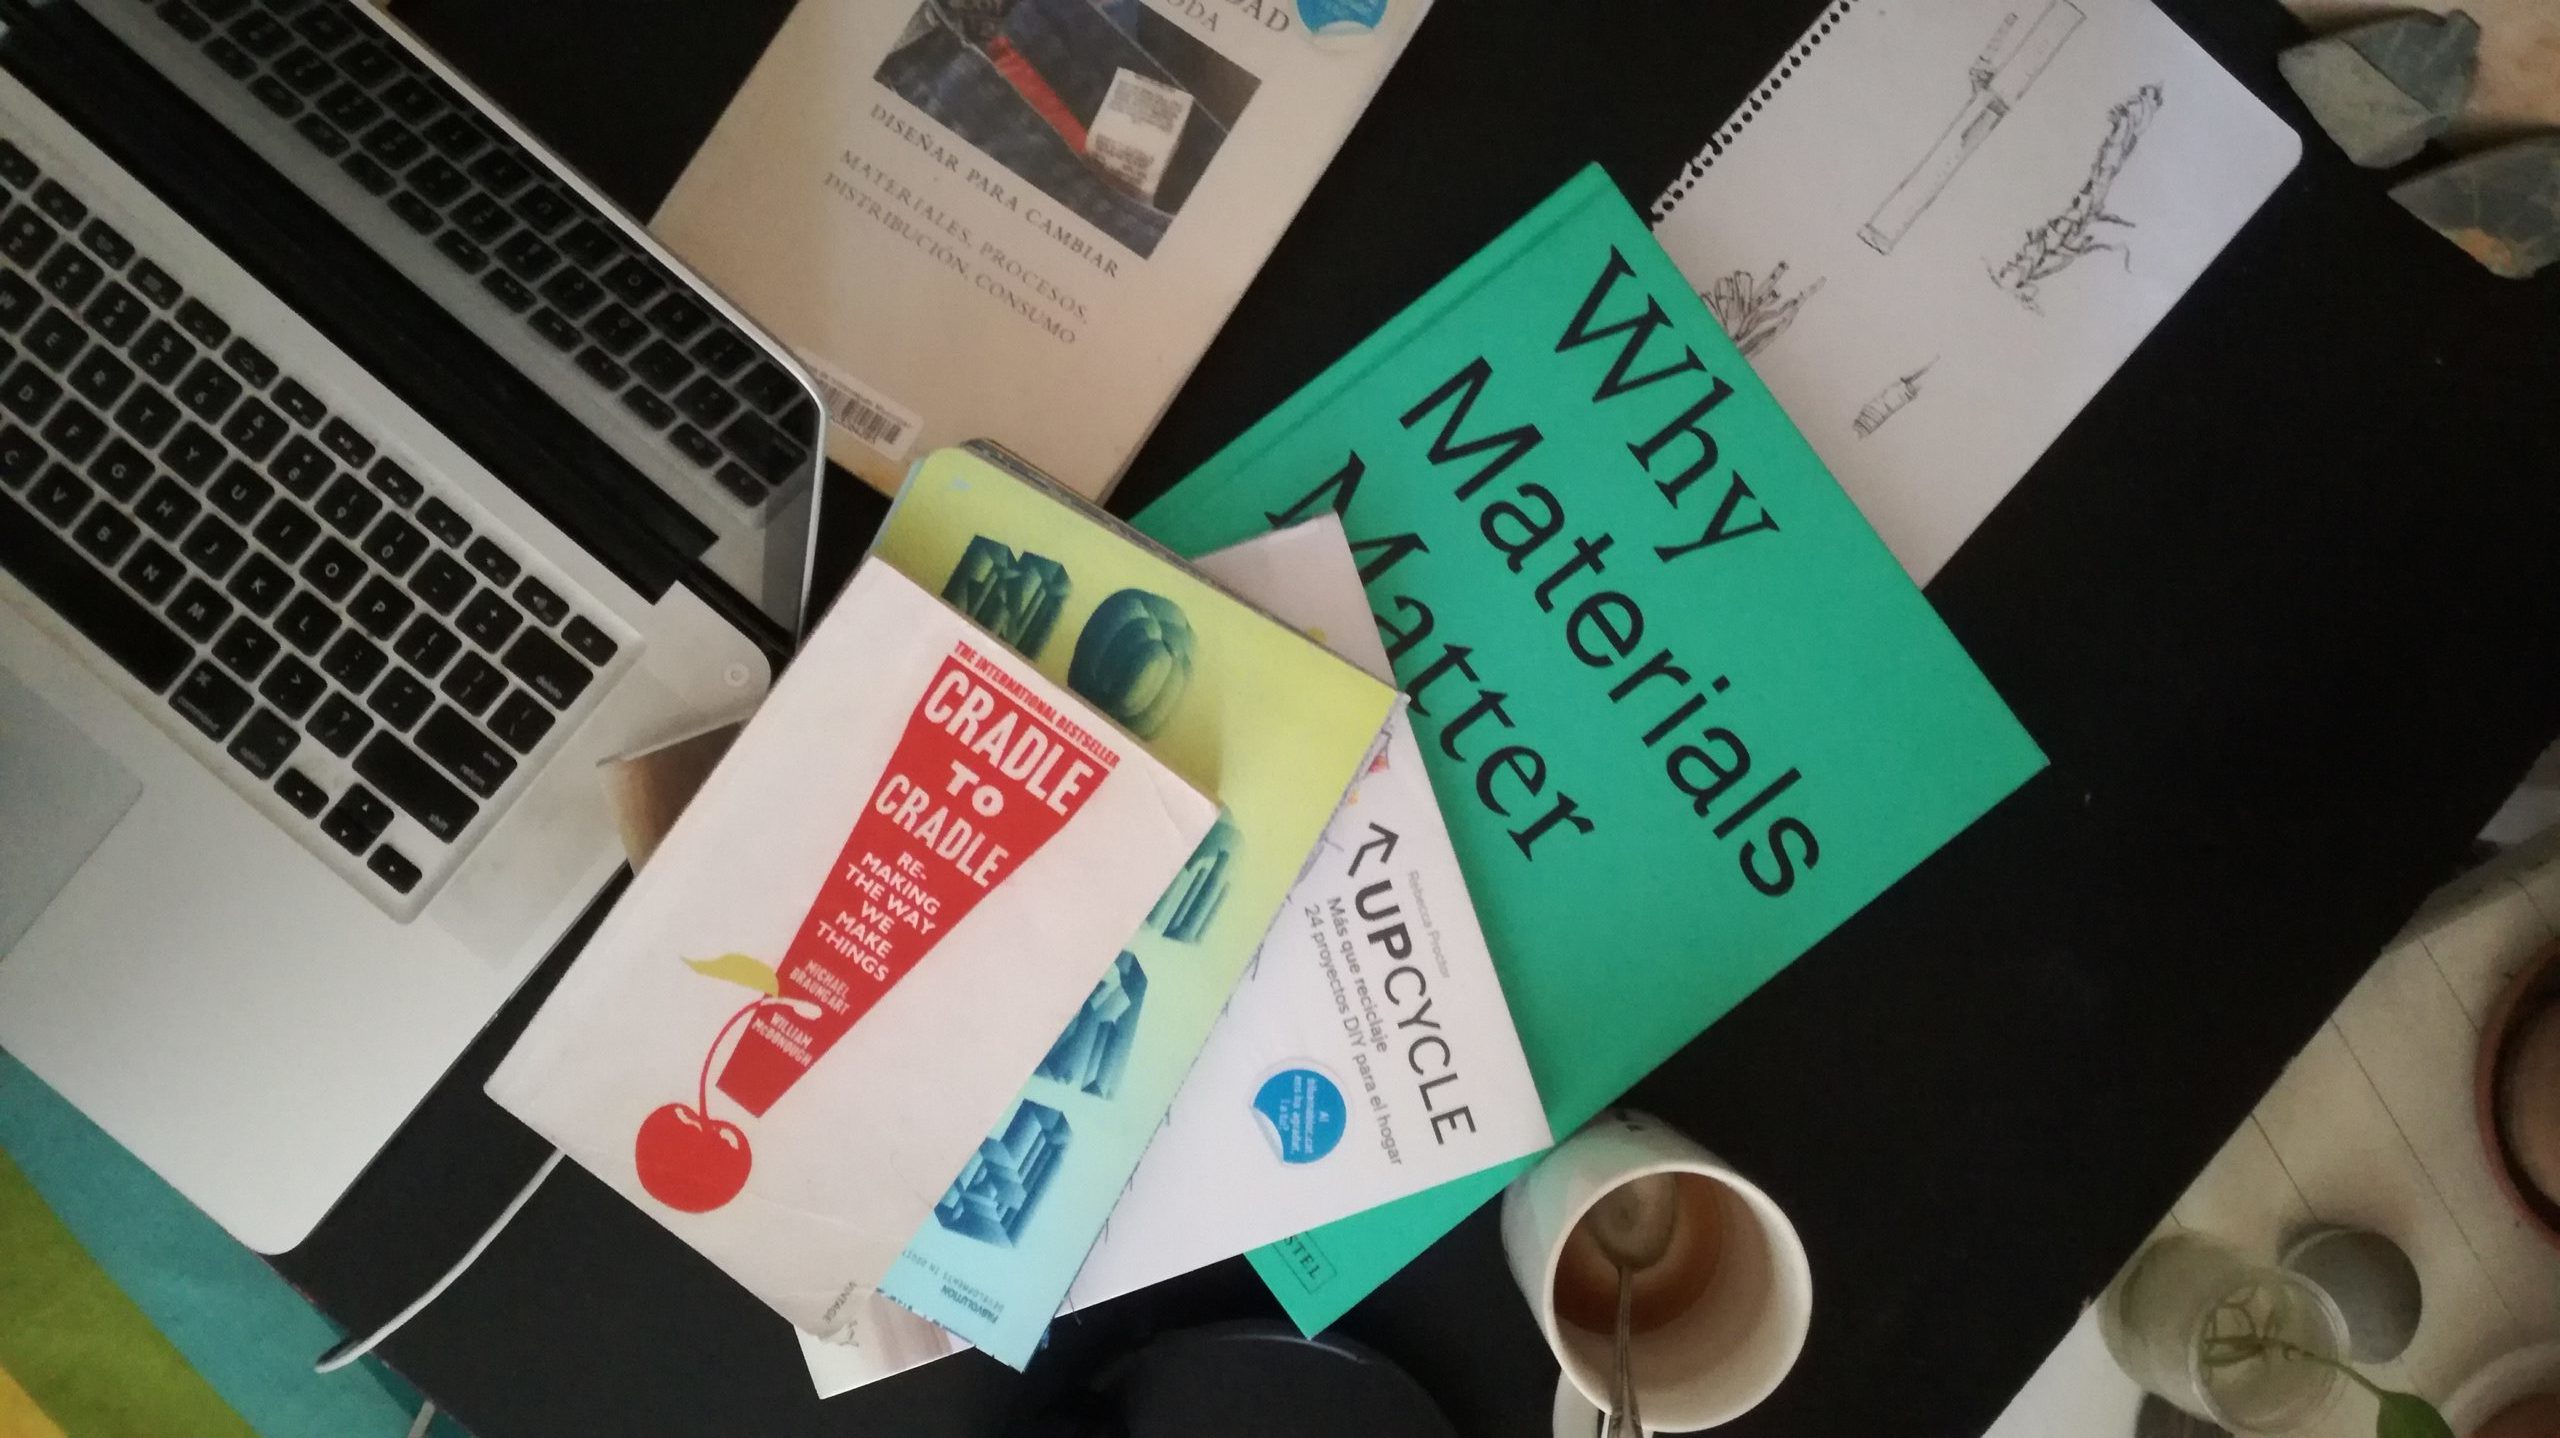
x: 59, y: 795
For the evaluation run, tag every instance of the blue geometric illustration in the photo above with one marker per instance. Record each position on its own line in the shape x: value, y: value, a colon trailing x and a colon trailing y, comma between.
x: 1192, y: 900
x: 1014, y: 597
x: 1094, y: 1050
x: 1133, y: 660
x: 1000, y: 1186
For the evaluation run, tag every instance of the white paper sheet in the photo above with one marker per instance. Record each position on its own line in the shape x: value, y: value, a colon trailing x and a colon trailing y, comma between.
x: 1980, y: 208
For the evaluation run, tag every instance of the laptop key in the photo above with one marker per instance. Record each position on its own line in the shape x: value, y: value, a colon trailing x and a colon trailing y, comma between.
x: 199, y: 610
x: 427, y: 646
x: 332, y: 569
x: 694, y: 445
x: 181, y: 17
x: 489, y: 559
x: 100, y: 377
x: 287, y: 531
x: 209, y: 390
x: 590, y: 244
x: 393, y: 868
x: 291, y: 686
x: 412, y: 100
x: 409, y: 781
x: 538, y: 599
x: 459, y: 249
x: 768, y: 387
x: 393, y: 143
x: 210, y: 700
x: 106, y: 532
x: 167, y: 508
x: 562, y: 335
x: 347, y: 442
x: 245, y: 649
x: 305, y: 70
x: 661, y: 366
x: 508, y: 290
x: 55, y: 338
x: 213, y: 546
x: 251, y: 364
x: 71, y: 275
x: 380, y: 607
x: 115, y: 314
x: 617, y: 329
x: 438, y: 182
x: 193, y: 453
x: 260, y: 34
x: 299, y: 790
x: 349, y: 506
x: 338, y: 724
x: 706, y: 400
x: 395, y: 483
x: 489, y: 619
x: 153, y: 571
x: 328, y: 139
x: 572, y: 292
x: 139, y: 641
x: 762, y: 448
x: 276, y: 95
x: 299, y: 405
x: 526, y: 255
x: 602, y: 367
x: 240, y: 493
x: 520, y: 720
x: 75, y: 431
x: 154, y: 283
x: 544, y: 208
x: 358, y: 818
x: 260, y: 585
x: 29, y: 391
x: 417, y: 213
x: 254, y: 429
x: 120, y: 469
x: 440, y: 582
x: 592, y: 644
x: 483, y: 218
x: 203, y: 325
x: 302, y: 467
x: 162, y: 352
x: 740, y: 481
x: 501, y: 171
x: 367, y: 62
x: 16, y: 170
x: 369, y: 172
x: 19, y: 301
x: 473, y: 683
x: 444, y: 523
x: 401, y: 698
x: 394, y: 544
x: 547, y: 669
x: 721, y: 351
x: 60, y: 495
x: 21, y: 458
x: 455, y: 135
x: 350, y: 108
x: 466, y: 751
x: 25, y: 236
x: 353, y: 661
x: 307, y: 623
x: 652, y: 411
x: 147, y: 415
x: 107, y: 243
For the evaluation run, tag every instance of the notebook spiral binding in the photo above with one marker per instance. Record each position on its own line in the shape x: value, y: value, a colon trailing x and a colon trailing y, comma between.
x: 1761, y: 95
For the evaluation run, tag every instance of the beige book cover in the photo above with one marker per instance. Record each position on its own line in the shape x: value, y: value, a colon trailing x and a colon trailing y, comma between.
x: 1019, y: 220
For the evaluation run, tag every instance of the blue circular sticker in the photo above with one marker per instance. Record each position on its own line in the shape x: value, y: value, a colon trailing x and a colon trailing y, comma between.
x: 1334, y: 17
x: 1301, y: 1113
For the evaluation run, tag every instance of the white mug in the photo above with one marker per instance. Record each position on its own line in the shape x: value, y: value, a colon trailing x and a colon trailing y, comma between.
x: 1728, y: 1348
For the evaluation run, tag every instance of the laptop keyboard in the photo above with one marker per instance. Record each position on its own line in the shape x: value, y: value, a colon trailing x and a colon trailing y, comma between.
x: 356, y: 643
x: 549, y: 269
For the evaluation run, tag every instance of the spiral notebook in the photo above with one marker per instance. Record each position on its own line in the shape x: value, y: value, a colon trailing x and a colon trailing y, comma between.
x: 1939, y: 226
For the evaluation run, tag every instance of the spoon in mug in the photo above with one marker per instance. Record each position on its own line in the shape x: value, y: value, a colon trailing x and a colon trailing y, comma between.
x: 1633, y: 1225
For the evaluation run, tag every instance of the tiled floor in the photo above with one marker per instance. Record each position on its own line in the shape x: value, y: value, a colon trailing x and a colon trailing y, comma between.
x: 2372, y: 1126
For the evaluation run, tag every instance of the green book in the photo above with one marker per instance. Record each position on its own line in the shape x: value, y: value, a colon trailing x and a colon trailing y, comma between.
x: 1684, y: 712
x: 1271, y: 724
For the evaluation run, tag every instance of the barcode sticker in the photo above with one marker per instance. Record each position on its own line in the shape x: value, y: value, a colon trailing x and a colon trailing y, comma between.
x: 1134, y: 135
x: 865, y: 413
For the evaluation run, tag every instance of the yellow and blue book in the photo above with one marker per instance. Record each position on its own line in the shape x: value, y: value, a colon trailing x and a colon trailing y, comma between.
x: 1264, y: 720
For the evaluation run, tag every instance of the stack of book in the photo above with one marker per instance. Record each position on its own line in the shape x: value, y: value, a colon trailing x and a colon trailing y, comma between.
x: 1107, y: 915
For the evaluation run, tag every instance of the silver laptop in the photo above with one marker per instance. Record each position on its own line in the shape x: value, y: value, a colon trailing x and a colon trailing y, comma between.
x: 365, y: 480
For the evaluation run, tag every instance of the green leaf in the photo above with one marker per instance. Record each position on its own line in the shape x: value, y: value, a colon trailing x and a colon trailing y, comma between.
x: 2406, y: 1415
x: 739, y: 969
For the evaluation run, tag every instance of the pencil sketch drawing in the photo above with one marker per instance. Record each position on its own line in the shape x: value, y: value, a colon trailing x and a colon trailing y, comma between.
x: 1755, y: 311
x: 2081, y: 229
x: 1889, y: 400
x: 1999, y: 77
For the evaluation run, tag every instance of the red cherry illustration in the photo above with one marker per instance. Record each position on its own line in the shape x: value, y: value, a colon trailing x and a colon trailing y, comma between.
x: 686, y: 1159
x: 689, y: 1162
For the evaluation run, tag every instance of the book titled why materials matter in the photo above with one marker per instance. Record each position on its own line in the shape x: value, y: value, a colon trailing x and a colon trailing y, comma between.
x: 868, y: 927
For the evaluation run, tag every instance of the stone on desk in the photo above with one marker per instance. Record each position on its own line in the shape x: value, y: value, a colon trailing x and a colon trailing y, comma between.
x: 2383, y: 89
x: 2502, y: 206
